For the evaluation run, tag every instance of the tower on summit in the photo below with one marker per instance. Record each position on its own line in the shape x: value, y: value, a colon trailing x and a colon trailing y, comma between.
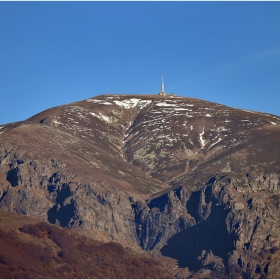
x: 162, y: 87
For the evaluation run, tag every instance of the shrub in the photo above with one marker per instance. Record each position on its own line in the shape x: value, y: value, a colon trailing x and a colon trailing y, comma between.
x: 31, y: 229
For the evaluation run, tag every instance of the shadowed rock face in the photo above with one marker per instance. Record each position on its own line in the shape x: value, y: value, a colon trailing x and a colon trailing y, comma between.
x: 185, y: 178
x: 187, y: 246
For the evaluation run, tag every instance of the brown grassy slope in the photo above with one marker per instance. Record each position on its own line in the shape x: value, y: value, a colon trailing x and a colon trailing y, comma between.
x: 41, y: 250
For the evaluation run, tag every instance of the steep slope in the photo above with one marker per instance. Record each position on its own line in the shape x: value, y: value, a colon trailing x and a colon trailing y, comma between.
x: 188, y: 179
x: 32, y: 249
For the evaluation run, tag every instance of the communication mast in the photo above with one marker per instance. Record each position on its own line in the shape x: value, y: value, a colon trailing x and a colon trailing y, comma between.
x: 162, y: 87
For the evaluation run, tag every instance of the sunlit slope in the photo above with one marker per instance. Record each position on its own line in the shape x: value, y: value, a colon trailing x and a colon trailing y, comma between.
x: 137, y: 142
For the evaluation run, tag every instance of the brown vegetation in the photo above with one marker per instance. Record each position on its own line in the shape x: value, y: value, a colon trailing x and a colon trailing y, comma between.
x: 74, y: 257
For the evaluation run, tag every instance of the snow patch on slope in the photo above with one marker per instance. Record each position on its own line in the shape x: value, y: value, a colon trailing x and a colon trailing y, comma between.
x: 164, y: 104
x: 127, y: 103
x: 201, y: 138
x: 99, y: 101
x: 220, y: 139
x: 102, y: 117
x: 143, y: 103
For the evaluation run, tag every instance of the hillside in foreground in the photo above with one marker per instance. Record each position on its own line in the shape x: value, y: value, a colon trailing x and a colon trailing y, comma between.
x: 32, y: 249
x: 194, y: 183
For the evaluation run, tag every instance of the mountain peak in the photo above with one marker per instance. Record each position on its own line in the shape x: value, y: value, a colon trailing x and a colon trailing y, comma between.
x: 148, y: 170
x: 163, y: 137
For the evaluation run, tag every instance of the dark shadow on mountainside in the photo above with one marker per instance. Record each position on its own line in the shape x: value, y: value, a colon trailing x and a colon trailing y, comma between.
x: 211, y: 234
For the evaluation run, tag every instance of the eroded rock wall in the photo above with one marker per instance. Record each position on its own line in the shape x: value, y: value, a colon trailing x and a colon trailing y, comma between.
x: 227, y: 229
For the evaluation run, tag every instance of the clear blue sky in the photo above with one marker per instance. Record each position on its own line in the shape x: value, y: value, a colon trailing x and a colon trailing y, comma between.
x: 54, y: 53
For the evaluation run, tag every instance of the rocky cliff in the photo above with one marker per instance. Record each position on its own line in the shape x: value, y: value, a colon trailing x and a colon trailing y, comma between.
x: 195, y: 183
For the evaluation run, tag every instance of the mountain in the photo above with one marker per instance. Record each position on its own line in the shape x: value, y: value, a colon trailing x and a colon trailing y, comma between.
x: 193, y: 182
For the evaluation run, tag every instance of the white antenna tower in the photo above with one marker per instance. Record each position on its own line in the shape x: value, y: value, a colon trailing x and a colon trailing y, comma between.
x: 162, y: 87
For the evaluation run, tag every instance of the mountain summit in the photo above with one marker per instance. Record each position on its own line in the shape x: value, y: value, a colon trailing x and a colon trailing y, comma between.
x: 194, y: 182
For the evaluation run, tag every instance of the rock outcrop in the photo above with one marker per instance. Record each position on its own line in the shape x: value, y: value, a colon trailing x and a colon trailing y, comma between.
x: 230, y: 232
